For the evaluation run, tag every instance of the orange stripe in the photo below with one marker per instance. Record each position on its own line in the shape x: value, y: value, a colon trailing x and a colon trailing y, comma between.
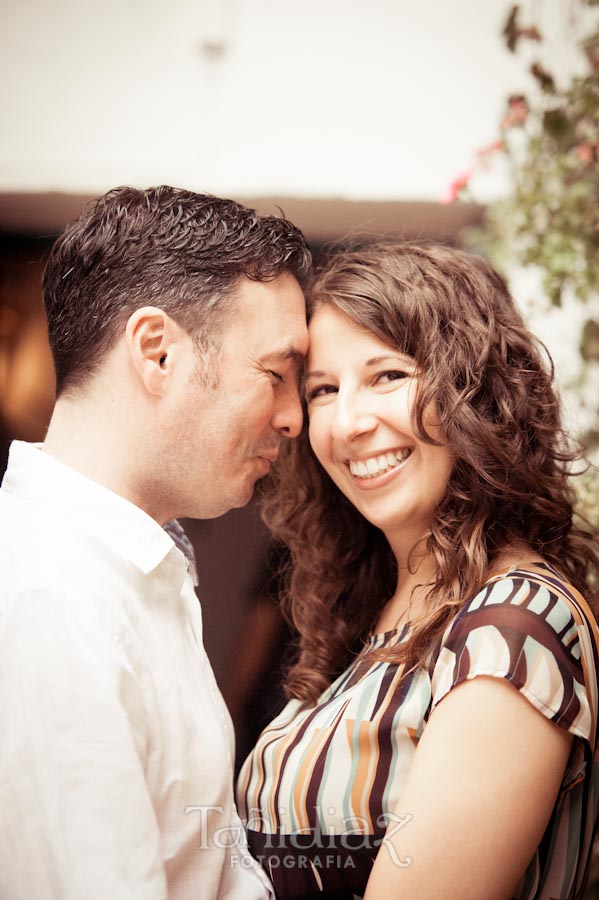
x: 302, y: 784
x: 262, y: 781
x: 309, y: 759
x: 367, y: 758
x: 276, y: 770
x: 369, y: 753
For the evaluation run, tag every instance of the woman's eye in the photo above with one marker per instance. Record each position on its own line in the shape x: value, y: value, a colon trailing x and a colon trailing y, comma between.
x: 320, y: 390
x: 276, y: 375
x: 394, y: 375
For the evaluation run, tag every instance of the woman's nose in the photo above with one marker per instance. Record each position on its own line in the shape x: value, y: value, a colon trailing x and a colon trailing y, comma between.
x: 352, y: 418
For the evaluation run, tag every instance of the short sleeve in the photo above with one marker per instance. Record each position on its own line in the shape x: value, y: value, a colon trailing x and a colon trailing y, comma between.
x: 524, y: 632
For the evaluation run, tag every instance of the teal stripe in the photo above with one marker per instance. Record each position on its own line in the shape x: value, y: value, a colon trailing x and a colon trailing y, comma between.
x: 420, y: 684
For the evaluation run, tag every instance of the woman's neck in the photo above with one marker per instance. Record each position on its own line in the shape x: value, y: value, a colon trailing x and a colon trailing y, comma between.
x: 513, y: 556
x: 417, y: 573
x: 414, y: 579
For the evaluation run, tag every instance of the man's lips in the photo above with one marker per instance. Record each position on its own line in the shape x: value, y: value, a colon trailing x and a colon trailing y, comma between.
x: 271, y: 455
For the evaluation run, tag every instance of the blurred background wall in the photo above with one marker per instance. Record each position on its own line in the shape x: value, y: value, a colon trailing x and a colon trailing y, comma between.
x: 380, y: 100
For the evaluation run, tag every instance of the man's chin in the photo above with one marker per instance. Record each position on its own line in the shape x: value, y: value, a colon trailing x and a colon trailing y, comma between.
x: 214, y: 507
x: 247, y: 494
x: 241, y: 499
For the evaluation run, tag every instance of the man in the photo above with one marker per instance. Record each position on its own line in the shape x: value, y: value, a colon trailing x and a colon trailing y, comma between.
x: 177, y: 326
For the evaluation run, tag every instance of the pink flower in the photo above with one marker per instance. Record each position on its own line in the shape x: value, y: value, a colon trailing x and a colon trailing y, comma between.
x: 490, y: 149
x: 517, y: 113
x: 456, y: 187
x: 585, y: 153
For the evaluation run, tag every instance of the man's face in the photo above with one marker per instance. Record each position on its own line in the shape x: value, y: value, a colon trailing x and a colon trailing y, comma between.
x: 237, y: 405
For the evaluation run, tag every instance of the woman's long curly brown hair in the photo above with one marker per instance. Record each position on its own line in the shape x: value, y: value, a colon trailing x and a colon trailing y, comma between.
x: 491, y: 382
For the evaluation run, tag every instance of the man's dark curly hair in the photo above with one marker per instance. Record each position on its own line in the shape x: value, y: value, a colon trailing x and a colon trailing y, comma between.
x: 166, y: 247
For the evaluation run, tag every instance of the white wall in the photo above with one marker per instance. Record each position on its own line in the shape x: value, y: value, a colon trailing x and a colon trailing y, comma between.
x: 384, y: 99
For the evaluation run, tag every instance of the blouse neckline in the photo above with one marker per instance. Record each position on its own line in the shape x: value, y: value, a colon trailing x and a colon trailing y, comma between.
x: 378, y: 639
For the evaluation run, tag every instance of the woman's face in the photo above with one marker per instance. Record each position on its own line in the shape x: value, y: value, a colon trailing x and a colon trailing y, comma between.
x: 360, y: 394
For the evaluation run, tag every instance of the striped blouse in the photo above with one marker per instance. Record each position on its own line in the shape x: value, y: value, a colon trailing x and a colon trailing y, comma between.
x: 322, y: 784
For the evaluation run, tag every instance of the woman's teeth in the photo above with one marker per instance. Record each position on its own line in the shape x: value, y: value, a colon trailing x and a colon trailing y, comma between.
x: 376, y: 465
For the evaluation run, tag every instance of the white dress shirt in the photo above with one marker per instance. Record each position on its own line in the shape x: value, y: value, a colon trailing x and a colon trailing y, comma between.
x: 116, y: 748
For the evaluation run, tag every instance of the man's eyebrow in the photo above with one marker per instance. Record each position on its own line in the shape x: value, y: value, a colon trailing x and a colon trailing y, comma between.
x: 292, y: 353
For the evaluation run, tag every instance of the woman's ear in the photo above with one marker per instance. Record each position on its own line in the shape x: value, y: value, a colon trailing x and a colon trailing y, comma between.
x: 152, y: 337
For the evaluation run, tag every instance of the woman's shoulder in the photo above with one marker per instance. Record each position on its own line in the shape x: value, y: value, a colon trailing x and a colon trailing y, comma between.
x: 531, y: 592
x: 529, y: 626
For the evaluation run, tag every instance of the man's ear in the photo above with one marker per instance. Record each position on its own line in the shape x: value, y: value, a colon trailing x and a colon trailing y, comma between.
x: 153, y: 339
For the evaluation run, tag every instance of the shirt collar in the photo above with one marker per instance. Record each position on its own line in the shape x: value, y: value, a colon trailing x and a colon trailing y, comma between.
x: 34, y: 474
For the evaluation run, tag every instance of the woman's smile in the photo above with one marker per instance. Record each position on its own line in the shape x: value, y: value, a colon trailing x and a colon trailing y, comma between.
x: 360, y: 400
x: 373, y: 467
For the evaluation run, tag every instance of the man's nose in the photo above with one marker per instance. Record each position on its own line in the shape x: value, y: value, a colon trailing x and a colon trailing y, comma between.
x: 288, y: 417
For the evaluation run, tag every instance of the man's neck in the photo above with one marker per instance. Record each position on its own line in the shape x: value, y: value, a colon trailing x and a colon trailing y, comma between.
x: 96, y: 442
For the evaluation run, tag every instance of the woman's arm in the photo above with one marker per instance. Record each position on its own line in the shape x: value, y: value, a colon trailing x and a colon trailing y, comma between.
x: 480, y: 793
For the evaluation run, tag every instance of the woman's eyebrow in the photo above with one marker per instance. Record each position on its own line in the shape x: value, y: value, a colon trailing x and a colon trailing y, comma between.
x: 396, y: 357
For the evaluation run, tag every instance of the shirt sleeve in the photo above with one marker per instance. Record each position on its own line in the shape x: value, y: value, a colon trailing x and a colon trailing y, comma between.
x: 75, y: 813
x: 524, y: 632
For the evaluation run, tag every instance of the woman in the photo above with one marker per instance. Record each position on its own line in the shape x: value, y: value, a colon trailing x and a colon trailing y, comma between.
x: 441, y: 728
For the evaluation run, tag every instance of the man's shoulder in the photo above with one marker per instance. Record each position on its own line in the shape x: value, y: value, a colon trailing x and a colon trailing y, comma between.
x: 63, y: 592
x: 42, y: 549
x: 27, y: 526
